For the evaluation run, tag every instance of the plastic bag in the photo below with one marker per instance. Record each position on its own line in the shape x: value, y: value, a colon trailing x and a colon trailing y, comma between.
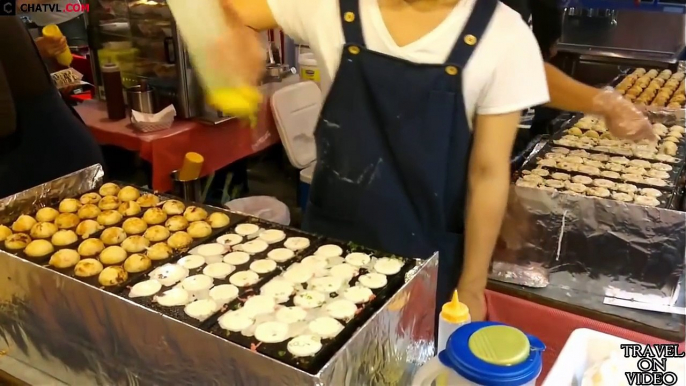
x: 226, y: 54
x: 264, y: 207
x: 623, y: 119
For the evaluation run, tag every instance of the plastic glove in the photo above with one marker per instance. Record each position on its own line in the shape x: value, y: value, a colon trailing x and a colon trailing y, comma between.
x: 622, y: 118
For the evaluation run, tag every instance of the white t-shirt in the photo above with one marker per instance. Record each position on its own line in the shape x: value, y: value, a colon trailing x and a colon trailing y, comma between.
x: 504, y: 74
x: 44, y: 18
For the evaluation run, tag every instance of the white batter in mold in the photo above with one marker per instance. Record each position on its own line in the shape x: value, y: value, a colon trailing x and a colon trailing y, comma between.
x: 263, y: 266
x: 304, y: 345
x: 298, y: 274
x: 296, y: 243
x: 291, y: 315
x: 173, y: 297
x: 236, y: 258
x: 198, y: 286
x: 309, y: 299
x: 230, y: 239
x: 259, y: 305
x: 326, y: 284
x: 169, y: 274
x: 358, y: 259
x: 280, y: 290
x: 341, y: 309
x: 254, y: 246
x: 218, y: 270
x: 235, y: 321
x: 358, y: 294
x: 388, y: 266
x: 224, y: 293
x: 281, y: 255
x: 326, y: 327
x: 344, y: 271
x: 315, y: 262
x: 201, y: 309
x: 329, y: 250
x: 213, y: 249
x: 145, y: 288
x: 244, y: 278
x: 373, y: 280
x: 192, y: 261
x: 272, y: 236
x: 271, y: 332
x: 246, y: 230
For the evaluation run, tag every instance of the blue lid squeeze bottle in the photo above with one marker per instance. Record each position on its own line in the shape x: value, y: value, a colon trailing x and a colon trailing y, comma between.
x: 453, y: 315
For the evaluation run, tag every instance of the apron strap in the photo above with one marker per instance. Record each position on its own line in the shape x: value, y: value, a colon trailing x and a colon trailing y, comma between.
x: 350, y: 18
x: 472, y: 32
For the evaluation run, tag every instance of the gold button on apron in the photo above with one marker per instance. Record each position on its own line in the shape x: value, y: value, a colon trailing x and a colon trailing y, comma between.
x: 451, y: 70
x: 470, y: 39
x: 354, y: 50
x: 349, y: 17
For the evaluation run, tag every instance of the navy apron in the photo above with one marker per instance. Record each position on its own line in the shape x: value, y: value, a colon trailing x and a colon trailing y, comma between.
x: 393, y: 146
x: 49, y: 142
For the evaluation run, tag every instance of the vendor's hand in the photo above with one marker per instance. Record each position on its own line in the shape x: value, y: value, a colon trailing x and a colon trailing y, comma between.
x: 50, y: 47
x: 240, y: 51
x: 475, y: 301
x: 623, y: 118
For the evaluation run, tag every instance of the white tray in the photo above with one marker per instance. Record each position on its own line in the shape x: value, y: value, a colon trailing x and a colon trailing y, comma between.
x: 586, y: 347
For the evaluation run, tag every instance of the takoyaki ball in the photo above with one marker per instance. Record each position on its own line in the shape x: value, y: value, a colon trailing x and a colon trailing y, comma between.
x: 109, y: 189
x: 652, y: 73
x: 109, y: 217
x: 635, y: 91
x: 154, y: 216
x: 622, y: 87
x: 679, y: 98
x: 47, y: 214
x: 671, y: 84
x: 621, y: 91
x: 176, y: 223
x: 199, y: 229
x: 674, y: 105
x: 639, y: 71
x: 23, y: 224
x: 63, y: 238
x: 135, y: 244
x: 148, y: 200
x: 173, y: 207
x: 180, y: 240
x: 67, y: 220
x: 43, y: 230
x: 134, y: 226
x: 113, y: 255
x: 659, y: 103
x: 39, y: 248
x: 129, y: 208
x: 88, y: 211
x: 195, y: 213
x: 159, y: 251
x: 88, y: 227
x: 657, y: 83
x: 112, y: 276
x: 630, y: 97
x: 65, y: 258
x: 128, y: 193
x: 17, y: 241
x: 218, y: 220
x: 5, y: 232
x: 69, y: 205
x: 88, y: 268
x: 90, y: 248
x: 642, y: 82
x: 109, y: 203
x: 156, y: 233
x: 90, y: 198
x: 113, y: 236
x: 137, y: 263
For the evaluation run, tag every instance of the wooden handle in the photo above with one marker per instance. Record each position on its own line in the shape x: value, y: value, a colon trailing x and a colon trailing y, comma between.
x: 192, y: 164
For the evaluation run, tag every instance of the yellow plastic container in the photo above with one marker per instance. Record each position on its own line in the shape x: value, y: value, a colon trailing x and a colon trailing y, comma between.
x: 64, y: 58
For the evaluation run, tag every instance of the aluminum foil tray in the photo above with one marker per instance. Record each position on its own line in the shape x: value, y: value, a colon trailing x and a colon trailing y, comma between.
x: 81, y: 334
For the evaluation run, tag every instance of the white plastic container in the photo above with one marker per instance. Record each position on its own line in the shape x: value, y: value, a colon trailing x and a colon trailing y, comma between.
x: 304, y: 187
x: 309, y: 70
x: 485, y: 353
x: 585, y: 348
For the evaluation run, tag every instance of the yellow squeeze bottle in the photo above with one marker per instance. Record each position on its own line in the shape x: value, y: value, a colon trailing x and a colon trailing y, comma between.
x: 453, y: 315
x: 64, y: 58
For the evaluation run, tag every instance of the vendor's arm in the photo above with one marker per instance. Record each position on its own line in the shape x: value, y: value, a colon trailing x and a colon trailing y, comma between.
x: 568, y: 94
x: 495, y: 127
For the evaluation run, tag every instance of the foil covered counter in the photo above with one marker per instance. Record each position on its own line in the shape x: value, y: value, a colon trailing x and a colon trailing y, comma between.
x: 82, y: 335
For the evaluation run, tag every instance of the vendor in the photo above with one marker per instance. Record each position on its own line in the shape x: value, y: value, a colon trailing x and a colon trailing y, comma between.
x: 416, y: 132
x: 40, y: 137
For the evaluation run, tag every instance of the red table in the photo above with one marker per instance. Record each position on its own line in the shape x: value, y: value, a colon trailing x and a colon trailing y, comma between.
x: 221, y: 145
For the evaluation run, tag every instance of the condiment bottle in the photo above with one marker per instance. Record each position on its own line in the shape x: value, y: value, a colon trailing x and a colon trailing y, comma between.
x: 65, y: 57
x: 453, y: 316
x: 114, y: 92
x: 192, y: 165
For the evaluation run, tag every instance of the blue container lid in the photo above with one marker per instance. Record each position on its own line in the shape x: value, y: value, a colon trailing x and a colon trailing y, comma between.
x: 459, y: 356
